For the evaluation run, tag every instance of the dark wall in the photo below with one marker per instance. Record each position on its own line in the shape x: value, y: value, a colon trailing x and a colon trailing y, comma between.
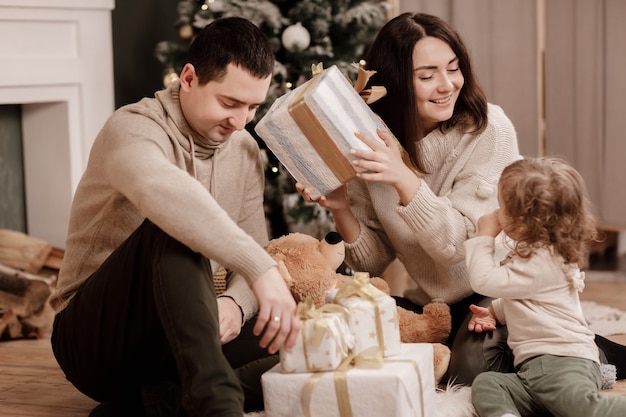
x: 12, y: 195
x: 138, y: 25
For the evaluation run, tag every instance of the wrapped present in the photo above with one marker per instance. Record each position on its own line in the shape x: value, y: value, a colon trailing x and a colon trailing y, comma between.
x: 403, y: 386
x: 324, y: 340
x: 311, y: 130
x: 373, y: 317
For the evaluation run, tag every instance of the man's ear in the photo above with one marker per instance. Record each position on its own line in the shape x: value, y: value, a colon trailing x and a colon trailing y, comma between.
x: 187, y: 76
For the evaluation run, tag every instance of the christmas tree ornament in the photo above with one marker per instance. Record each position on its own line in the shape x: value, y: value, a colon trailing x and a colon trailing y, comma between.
x: 216, y: 6
x: 185, y: 31
x: 296, y: 38
x: 169, y: 77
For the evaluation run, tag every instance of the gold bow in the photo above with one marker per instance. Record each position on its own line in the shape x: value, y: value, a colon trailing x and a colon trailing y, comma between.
x: 363, y: 76
x: 360, y: 287
x: 306, y: 310
x: 369, y: 96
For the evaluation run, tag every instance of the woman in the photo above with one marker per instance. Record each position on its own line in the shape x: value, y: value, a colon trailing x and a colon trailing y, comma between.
x: 458, y: 145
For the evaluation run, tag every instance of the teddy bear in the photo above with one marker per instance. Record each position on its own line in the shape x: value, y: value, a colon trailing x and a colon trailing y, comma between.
x: 309, y: 267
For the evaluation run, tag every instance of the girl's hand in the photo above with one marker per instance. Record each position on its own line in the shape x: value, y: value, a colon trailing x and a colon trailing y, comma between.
x: 489, y: 225
x: 483, y: 319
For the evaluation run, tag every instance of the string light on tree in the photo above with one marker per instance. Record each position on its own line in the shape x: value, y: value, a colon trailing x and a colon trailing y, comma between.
x: 296, y: 38
x: 216, y: 6
x: 169, y: 77
x: 185, y: 31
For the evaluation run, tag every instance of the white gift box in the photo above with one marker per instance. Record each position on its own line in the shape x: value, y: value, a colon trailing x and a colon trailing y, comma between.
x: 324, y: 341
x: 403, y: 387
x: 311, y: 130
x: 373, y: 316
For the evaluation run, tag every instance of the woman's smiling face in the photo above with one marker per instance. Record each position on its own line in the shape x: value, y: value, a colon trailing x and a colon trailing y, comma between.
x: 437, y: 81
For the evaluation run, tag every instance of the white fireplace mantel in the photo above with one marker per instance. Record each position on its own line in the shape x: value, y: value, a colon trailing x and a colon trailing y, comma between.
x: 56, y: 60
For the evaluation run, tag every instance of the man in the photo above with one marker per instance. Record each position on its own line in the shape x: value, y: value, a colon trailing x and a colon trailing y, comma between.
x: 173, y: 182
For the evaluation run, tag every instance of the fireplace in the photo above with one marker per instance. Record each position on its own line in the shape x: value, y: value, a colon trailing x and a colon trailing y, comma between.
x: 56, y: 61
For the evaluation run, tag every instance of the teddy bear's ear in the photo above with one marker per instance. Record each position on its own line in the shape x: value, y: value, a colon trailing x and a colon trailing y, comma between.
x: 282, y: 268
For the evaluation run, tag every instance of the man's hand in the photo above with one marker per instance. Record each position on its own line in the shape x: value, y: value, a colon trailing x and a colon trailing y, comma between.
x: 277, y: 312
x: 483, y: 319
x: 231, y: 319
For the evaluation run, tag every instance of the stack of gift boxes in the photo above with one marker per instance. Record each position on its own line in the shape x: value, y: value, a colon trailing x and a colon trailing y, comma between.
x: 348, y: 361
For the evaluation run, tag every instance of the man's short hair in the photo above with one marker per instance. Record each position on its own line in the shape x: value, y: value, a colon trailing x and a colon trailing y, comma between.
x: 230, y: 40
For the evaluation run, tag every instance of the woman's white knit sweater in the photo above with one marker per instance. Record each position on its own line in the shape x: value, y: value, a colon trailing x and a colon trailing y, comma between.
x: 427, y: 235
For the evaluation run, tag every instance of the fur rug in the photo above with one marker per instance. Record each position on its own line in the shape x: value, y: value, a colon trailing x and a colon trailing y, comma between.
x: 455, y: 400
x: 604, y: 320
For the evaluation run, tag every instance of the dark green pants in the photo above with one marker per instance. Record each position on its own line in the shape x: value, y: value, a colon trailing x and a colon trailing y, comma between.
x: 147, y: 317
x: 546, y: 386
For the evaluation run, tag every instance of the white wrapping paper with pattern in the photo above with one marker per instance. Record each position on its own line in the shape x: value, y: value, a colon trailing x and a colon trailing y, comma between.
x: 403, y: 387
x: 324, y: 340
x: 373, y: 317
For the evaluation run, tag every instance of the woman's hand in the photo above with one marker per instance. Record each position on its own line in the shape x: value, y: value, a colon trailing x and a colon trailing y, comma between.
x: 335, y: 201
x: 383, y: 163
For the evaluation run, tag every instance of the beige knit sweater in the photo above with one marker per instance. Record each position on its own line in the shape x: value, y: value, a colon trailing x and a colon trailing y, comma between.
x: 141, y: 166
x: 427, y: 235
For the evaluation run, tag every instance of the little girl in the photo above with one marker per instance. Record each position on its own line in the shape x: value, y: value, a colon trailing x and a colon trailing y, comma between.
x: 545, y: 213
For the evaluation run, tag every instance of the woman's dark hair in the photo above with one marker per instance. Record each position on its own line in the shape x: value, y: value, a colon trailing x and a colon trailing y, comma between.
x: 230, y: 40
x: 391, y: 55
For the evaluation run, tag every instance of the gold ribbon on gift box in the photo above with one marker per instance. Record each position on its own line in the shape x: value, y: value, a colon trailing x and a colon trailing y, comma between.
x: 369, y: 359
x: 321, y: 141
x: 325, y: 146
x: 360, y: 287
x: 420, y: 381
x: 305, y: 311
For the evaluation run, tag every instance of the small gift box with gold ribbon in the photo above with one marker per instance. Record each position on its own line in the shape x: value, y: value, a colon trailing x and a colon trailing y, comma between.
x: 373, y: 315
x: 311, y: 129
x: 400, y: 386
x: 324, y: 340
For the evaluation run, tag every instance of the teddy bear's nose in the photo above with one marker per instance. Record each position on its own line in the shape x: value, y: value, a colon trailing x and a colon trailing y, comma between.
x: 333, y: 238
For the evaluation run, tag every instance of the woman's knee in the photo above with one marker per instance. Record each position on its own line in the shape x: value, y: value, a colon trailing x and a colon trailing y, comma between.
x: 474, y: 353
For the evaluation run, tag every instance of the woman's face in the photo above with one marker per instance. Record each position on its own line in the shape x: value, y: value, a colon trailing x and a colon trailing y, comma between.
x: 437, y: 80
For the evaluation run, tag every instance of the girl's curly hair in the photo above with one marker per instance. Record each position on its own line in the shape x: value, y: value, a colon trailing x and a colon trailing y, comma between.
x: 547, y: 205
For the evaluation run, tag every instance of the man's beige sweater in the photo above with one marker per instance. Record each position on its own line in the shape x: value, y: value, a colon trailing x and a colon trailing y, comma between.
x: 141, y: 166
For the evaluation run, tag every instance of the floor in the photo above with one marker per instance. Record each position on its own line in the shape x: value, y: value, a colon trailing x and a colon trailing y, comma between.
x: 32, y: 385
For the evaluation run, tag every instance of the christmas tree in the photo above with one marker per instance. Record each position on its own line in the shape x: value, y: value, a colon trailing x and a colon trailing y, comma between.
x: 302, y: 33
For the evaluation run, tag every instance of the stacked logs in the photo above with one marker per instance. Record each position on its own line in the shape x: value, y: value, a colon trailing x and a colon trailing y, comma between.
x: 28, y: 268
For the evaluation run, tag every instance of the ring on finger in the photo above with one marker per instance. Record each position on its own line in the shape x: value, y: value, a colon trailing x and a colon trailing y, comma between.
x: 276, y: 318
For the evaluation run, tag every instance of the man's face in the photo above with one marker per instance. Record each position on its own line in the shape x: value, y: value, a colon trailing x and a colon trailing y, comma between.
x: 217, y: 109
